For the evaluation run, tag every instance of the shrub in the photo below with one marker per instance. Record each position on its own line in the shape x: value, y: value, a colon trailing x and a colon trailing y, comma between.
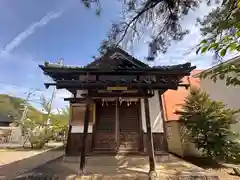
x: 208, y: 125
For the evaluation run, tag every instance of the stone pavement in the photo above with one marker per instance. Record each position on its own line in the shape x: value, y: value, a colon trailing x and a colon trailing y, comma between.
x: 14, y: 163
x: 122, y: 167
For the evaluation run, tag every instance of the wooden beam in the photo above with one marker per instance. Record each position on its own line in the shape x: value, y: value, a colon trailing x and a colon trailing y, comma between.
x: 103, y: 86
x: 141, y: 148
x: 150, y: 147
x: 94, y: 125
x: 117, y: 94
x: 117, y: 125
x: 84, y: 139
x: 75, y: 99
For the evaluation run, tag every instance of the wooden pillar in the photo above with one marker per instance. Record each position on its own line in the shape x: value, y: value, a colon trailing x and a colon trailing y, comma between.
x: 117, y: 125
x: 67, y: 151
x: 84, y: 139
x: 150, y: 148
x: 68, y: 139
x: 93, y: 126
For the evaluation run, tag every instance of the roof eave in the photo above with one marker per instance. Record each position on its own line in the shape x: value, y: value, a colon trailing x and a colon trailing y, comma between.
x: 232, y: 60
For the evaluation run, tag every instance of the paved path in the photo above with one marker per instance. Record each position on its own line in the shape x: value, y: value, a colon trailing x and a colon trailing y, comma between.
x: 10, y: 156
x: 14, y: 163
x: 120, y: 167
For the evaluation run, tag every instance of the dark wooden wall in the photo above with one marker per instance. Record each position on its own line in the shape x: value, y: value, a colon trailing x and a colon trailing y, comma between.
x: 159, y: 142
x: 76, y: 139
x: 75, y: 142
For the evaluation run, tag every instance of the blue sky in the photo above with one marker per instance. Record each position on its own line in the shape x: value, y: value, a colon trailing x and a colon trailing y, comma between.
x: 34, y: 31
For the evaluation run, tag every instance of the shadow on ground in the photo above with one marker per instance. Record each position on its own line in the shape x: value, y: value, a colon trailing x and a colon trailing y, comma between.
x: 116, y: 167
x: 204, y: 162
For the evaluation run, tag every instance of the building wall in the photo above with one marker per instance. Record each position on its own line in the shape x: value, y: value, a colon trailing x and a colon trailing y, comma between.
x: 155, y: 114
x: 173, y: 138
x: 177, y: 142
x: 229, y: 95
x: 173, y: 99
x: 78, y: 127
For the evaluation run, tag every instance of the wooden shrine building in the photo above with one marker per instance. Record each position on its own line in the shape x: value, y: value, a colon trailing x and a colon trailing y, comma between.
x: 116, y: 103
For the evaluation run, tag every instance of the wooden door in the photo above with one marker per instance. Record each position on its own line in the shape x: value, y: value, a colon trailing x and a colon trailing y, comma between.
x: 129, y: 127
x: 104, y: 139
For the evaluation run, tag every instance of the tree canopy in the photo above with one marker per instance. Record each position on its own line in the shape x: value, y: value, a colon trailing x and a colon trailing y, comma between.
x: 160, y: 19
x: 221, y: 29
x: 221, y: 32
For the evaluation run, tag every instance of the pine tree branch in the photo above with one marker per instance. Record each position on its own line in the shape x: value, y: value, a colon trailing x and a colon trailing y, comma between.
x: 146, y: 7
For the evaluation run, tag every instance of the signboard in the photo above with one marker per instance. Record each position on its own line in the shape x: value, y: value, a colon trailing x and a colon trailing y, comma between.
x: 117, y: 88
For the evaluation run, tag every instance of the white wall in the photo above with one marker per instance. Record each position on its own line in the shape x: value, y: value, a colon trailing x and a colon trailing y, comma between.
x: 155, y: 114
x: 79, y: 92
x: 79, y: 129
x: 230, y: 95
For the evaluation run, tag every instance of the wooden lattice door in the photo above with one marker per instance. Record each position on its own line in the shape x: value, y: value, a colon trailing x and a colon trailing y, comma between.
x: 129, y: 127
x: 104, y: 139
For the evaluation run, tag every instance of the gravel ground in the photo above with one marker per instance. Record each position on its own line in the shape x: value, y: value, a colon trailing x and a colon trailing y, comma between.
x: 55, y: 167
x: 224, y: 173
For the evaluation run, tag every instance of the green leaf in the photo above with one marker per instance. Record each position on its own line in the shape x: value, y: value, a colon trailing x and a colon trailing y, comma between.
x: 228, y: 81
x: 232, y: 46
x: 238, y: 33
x: 204, y: 49
x: 204, y: 41
x: 238, y: 48
x: 237, y: 25
x: 86, y: 3
x: 222, y: 76
x: 214, y: 46
x: 223, y: 52
x: 98, y: 12
x: 214, y: 78
x: 224, y: 2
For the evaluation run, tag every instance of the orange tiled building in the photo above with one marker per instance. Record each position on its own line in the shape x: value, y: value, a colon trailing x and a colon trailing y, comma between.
x: 172, y: 99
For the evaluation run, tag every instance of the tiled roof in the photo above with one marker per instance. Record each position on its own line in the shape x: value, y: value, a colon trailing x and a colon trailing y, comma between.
x: 106, y: 60
x: 172, y: 99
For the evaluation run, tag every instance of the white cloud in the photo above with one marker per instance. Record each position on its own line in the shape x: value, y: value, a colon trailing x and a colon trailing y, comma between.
x: 28, y: 32
x: 59, y: 102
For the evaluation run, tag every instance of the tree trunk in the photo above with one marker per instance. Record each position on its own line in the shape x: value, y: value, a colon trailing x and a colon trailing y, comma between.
x: 150, y: 148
